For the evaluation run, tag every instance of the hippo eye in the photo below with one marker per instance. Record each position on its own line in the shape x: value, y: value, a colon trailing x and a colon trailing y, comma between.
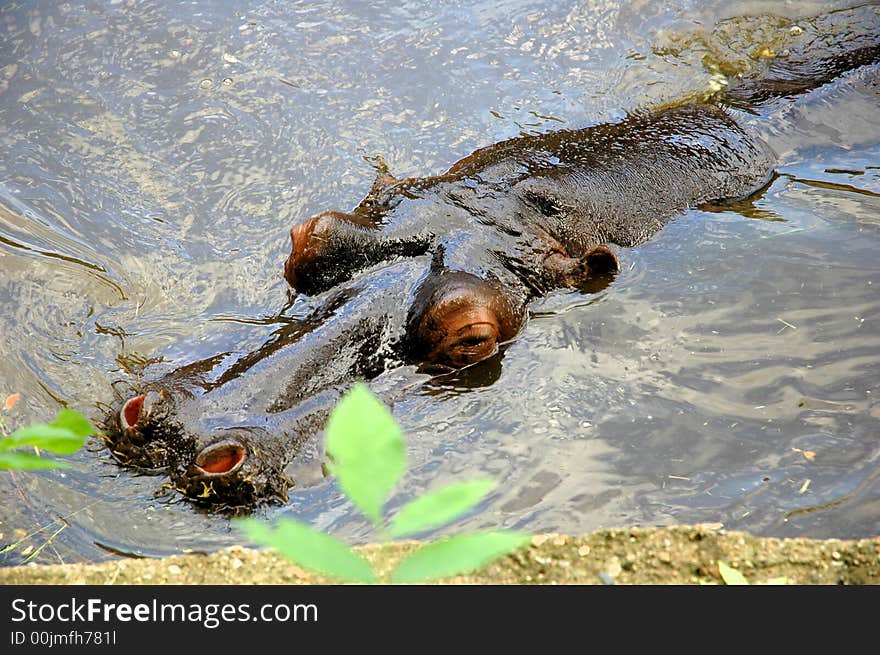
x: 474, y: 343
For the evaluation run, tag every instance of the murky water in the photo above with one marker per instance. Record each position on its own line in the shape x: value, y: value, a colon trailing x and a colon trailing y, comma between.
x: 155, y: 155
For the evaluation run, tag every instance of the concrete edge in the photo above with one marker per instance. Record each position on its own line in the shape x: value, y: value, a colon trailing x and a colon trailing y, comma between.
x: 673, y: 555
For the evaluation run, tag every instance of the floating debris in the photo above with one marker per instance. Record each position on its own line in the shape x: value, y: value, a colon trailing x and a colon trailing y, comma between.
x: 785, y: 324
x: 808, y: 454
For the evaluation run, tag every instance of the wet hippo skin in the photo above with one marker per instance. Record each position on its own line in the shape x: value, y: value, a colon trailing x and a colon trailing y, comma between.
x: 225, y: 428
x: 522, y: 217
x: 517, y: 219
x: 437, y: 272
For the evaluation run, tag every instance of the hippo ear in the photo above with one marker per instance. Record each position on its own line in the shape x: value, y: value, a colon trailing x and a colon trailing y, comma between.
x: 384, y: 180
x: 382, y: 170
x: 601, y: 260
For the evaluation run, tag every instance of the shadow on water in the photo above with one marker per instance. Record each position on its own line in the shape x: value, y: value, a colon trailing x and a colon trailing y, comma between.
x: 156, y: 155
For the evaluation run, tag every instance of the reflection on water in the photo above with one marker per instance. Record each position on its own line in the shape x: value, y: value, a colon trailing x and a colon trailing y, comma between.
x: 155, y: 155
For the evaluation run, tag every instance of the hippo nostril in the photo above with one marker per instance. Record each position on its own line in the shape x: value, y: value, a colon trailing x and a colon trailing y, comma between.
x: 221, y: 458
x: 131, y: 411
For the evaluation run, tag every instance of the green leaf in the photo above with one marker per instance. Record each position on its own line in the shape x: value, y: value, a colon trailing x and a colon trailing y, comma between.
x: 310, y: 549
x: 730, y: 575
x: 48, y: 437
x: 438, y: 507
x: 28, y: 461
x: 75, y: 422
x: 366, y: 447
x: 456, y: 555
x: 64, y: 436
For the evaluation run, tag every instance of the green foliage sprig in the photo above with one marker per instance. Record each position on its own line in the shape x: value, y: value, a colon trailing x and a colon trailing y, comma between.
x: 367, y: 456
x: 63, y: 436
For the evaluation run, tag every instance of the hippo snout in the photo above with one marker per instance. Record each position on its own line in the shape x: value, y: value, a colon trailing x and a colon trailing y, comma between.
x: 232, y: 470
x: 141, y: 430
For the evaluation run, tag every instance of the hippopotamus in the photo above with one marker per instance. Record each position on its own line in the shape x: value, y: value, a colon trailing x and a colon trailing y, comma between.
x: 515, y: 220
x: 519, y: 218
x: 437, y: 272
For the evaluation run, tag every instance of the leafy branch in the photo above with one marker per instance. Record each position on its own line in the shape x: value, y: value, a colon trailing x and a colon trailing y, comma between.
x: 367, y: 455
x: 63, y: 436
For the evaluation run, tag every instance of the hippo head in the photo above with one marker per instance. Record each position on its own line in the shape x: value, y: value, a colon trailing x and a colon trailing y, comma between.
x: 455, y: 318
